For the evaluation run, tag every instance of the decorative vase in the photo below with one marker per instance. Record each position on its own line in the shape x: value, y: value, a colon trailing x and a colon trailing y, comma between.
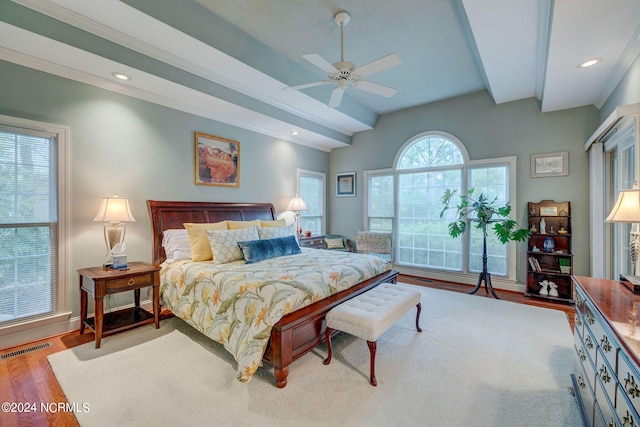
x: 548, y: 245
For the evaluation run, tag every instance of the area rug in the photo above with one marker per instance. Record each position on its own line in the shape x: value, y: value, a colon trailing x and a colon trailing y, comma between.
x: 478, y: 361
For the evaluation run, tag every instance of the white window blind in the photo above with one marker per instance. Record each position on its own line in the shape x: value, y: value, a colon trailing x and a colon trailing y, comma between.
x: 311, y: 189
x: 28, y: 225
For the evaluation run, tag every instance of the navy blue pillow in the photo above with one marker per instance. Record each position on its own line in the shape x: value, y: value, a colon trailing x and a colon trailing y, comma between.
x: 258, y: 250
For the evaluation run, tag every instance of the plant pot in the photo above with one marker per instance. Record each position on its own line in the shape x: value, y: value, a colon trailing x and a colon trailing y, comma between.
x: 565, y: 269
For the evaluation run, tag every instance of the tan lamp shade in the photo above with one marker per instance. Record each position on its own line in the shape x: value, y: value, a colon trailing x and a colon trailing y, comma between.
x: 627, y: 207
x: 296, y: 205
x: 114, y: 209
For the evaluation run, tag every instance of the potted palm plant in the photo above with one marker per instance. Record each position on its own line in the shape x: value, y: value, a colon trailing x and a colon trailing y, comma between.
x: 485, y: 214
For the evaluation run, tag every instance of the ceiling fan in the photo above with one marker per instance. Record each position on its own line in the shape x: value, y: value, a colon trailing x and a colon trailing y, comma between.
x: 344, y: 74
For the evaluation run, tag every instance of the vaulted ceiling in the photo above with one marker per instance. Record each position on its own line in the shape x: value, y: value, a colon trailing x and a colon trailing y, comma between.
x: 229, y: 60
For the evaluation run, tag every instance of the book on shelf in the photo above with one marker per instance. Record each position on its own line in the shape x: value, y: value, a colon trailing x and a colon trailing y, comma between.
x: 535, y: 265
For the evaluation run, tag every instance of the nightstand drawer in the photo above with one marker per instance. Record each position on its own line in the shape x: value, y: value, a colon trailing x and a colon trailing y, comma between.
x: 132, y: 282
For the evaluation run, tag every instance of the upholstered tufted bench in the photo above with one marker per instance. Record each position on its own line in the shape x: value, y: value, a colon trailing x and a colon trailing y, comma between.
x: 370, y: 314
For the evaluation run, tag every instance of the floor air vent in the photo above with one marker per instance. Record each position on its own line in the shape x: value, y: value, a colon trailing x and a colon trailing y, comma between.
x: 24, y: 351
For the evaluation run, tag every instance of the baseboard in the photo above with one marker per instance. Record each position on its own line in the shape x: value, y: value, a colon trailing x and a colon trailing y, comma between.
x: 464, y: 278
x: 40, y: 330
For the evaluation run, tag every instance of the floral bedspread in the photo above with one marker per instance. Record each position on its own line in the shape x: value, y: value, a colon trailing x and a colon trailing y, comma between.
x: 237, y: 304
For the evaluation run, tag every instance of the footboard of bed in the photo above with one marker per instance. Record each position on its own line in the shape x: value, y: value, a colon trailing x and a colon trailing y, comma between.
x: 301, y: 331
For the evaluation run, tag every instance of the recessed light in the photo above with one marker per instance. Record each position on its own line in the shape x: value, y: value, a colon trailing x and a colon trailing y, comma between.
x: 120, y: 76
x: 295, y: 132
x: 589, y: 63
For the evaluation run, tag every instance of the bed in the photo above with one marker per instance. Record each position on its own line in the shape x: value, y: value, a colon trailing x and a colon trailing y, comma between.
x: 296, y: 332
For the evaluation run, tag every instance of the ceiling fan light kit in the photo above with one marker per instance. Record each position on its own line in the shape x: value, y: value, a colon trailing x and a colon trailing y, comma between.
x: 343, y: 73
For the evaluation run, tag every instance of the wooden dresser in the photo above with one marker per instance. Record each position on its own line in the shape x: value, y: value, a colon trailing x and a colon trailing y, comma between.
x: 607, y: 343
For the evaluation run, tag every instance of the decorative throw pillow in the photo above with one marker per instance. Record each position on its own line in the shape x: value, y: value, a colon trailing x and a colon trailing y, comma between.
x: 335, y: 243
x: 258, y: 250
x: 272, y: 232
x: 176, y: 244
x: 224, y: 243
x: 200, y: 248
x: 234, y: 225
x: 277, y: 223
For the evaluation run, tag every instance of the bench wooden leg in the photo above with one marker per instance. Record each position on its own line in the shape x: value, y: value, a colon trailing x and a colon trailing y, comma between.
x: 372, y: 371
x: 327, y: 337
x: 419, y: 307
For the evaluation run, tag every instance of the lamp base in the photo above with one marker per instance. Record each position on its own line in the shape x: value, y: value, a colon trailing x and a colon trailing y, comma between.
x: 631, y: 282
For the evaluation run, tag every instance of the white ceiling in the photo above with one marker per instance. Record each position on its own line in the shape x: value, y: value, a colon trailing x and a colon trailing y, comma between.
x: 513, y: 49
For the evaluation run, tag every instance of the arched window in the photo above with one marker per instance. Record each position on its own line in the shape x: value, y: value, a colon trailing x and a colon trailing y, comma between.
x: 425, y: 166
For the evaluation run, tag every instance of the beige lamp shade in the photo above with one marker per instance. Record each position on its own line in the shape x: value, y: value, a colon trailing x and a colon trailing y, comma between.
x: 114, y: 209
x: 296, y: 204
x: 627, y: 207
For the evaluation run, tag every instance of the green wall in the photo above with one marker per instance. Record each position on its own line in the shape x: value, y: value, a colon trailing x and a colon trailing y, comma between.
x: 487, y: 130
x: 627, y: 91
x: 141, y: 151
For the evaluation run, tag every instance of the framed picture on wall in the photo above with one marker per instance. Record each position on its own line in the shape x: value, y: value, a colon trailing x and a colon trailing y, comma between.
x: 346, y: 184
x: 217, y: 161
x: 550, y: 164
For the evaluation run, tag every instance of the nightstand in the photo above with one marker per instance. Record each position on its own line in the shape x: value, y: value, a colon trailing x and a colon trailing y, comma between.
x: 316, y: 242
x: 99, y: 282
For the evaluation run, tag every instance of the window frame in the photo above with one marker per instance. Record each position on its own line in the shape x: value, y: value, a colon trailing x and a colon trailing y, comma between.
x: 377, y: 173
x: 61, y: 306
x: 510, y: 162
x: 321, y: 175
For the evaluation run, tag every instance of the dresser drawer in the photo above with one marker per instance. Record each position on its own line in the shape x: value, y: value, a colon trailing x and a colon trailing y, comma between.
x: 585, y: 391
x: 606, y: 376
x: 627, y: 414
x: 132, y: 282
x: 629, y: 380
x: 607, y: 344
x: 603, y: 417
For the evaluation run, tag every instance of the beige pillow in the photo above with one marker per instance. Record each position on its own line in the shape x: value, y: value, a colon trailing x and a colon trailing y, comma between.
x: 200, y: 248
x: 235, y: 225
x: 278, y: 223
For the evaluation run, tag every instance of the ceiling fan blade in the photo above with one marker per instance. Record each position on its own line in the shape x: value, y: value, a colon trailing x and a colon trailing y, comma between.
x: 336, y: 97
x: 374, y: 88
x: 378, y: 65
x: 320, y: 62
x: 306, y: 85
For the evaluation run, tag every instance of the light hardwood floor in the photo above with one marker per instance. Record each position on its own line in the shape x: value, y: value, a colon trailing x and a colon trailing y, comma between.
x: 28, y: 378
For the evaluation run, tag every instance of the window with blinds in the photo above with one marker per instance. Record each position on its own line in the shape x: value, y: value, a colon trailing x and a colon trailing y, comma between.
x: 28, y: 225
x: 311, y: 189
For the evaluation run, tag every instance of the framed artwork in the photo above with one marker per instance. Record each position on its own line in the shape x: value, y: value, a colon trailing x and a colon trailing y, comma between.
x: 549, y: 211
x: 550, y: 164
x: 217, y: 161
x: 346, y: 184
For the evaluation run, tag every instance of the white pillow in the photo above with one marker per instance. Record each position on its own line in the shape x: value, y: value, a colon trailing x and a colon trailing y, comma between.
x: 224, y: 243
x: 273, y: 232
x: 176, y: 244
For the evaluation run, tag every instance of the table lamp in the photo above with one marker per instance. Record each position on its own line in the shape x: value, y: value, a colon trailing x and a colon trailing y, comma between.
x: 627, y: 210
x: 296, y: 205
x: 114, y: 211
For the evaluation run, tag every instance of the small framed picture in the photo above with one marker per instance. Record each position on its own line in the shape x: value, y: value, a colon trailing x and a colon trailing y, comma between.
x: 550, y: 164
x: 346, y: 184
x: 548, y: 211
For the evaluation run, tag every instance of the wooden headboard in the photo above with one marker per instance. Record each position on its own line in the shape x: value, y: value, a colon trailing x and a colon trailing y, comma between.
x: 171, y: 215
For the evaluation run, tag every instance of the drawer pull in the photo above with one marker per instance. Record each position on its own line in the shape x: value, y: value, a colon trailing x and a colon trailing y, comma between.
x: 588, y: 342
x: 582, y: 355
x: 604, y: 374
x: 581, y: 382
x: 627, y: 420
x: 630, y: 386
x: 604, y: 344
x: 590, y: 319
x: 132, y: 282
